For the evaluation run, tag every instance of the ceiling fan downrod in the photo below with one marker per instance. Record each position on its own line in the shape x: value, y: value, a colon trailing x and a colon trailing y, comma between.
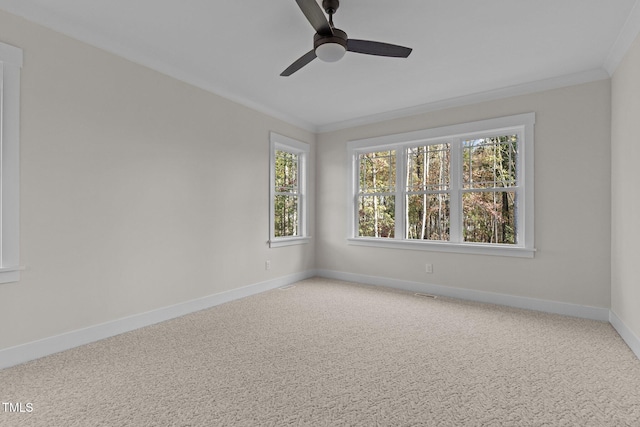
x: 330, y: 6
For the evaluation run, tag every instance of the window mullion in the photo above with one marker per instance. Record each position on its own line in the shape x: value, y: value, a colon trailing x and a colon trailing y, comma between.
x: 301, y: 185
x: 455, y: 198
x: 400, y: 193
x: 354, y: 195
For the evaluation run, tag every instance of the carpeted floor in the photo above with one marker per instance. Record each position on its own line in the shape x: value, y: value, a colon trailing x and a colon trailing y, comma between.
x: 334, y: 353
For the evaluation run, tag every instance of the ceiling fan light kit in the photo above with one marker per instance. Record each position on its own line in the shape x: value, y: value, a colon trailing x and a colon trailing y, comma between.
x: 330, y: 44
x: 330, y: 48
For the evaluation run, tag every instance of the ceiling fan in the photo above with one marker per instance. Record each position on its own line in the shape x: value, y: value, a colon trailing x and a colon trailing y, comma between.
x: 330, y: 44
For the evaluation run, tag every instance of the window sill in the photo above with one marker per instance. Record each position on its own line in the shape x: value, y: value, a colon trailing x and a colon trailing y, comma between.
x: 10, y: 274
x: 462, y: 248
x: 288, y: 241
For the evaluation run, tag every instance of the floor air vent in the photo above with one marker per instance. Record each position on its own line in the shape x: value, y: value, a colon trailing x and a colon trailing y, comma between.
x: 419, y: 294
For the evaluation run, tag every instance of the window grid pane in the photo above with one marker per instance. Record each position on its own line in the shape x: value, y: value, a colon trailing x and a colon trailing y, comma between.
x: 490, y: 217
x: 428, y: 167
x: 377, y: 172
x: 490, y: 162
x: 376, y: 216
x: 286, y: 209
x: 286, y: 172
x: 428, y: 216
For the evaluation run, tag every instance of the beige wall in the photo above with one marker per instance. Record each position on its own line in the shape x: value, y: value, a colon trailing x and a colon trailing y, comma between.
x: 572, y: 215
x: 625, y: 193
x: 137, y: 191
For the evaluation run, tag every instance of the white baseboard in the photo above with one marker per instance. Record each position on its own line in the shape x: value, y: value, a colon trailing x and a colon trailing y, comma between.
x: 575, y: 310
x: 34, y: 350
x: 627, y: 334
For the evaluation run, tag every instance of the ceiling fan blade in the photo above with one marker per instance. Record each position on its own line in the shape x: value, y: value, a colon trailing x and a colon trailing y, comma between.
x: 377, y: 48
x: 315, y: 16
x: 299, y: 63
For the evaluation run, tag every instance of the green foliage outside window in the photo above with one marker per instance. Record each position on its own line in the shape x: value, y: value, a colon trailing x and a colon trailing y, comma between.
x: 488, y: 200
x: 427, y: 192
x: 286, y: 203
x: 377, y: 204
x: 489, y: 171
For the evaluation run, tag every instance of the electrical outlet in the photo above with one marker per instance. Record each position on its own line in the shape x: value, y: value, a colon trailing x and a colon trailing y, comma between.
x: 428, y: 268
x: 267, y: 265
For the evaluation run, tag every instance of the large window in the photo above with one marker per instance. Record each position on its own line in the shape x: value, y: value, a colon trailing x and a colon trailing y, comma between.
x: 10, y: 64
x: 463, y: 188
x: 288, y: 193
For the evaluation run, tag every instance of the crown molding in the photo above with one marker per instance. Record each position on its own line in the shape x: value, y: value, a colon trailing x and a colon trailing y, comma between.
x: 492, y: 95
x: 627, y: 36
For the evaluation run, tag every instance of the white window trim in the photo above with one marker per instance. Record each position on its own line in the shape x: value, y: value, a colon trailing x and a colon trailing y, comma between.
x: 10, y: 65
x: 281, y: 142
x: 523, y: 124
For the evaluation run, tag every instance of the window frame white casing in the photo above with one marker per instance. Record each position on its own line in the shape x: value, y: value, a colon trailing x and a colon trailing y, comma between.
x: 10, y: 65
x: 522, y: 124
x: 302, y: 149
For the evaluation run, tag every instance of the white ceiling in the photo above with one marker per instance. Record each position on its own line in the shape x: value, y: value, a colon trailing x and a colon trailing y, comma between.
x: 460, y: 47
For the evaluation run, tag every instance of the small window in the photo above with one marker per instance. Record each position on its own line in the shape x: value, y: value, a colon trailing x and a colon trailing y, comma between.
x: 286, y: 215
x: 288, y: 195
x: 10, y: 64
x: 464, y: 188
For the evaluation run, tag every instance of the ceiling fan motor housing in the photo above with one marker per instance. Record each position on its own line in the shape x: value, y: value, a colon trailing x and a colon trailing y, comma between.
x: 338, y: 37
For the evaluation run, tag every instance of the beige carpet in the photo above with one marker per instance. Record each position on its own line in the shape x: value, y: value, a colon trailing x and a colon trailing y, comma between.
x: 333, y: 353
